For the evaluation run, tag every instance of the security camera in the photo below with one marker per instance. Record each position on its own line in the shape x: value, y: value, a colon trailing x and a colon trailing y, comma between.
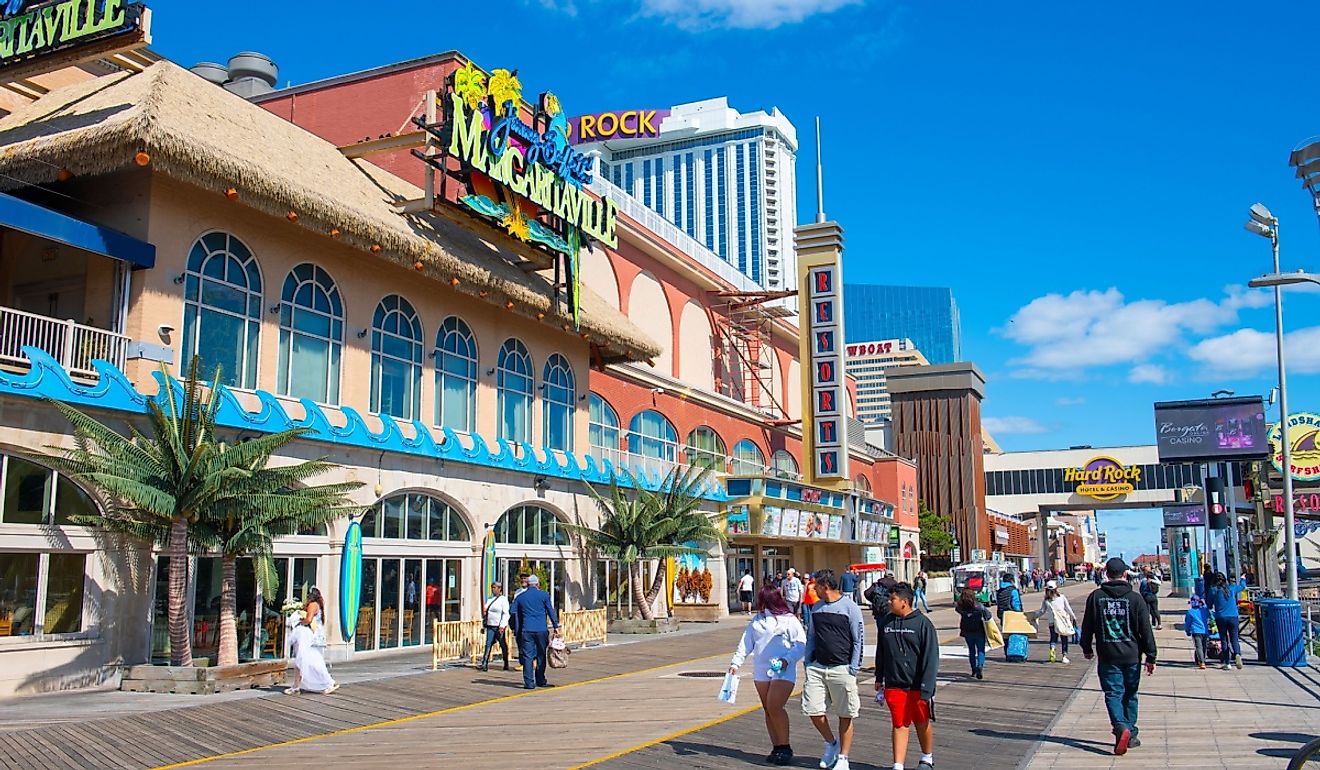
x: 165, y: 330
x: 658, y: 391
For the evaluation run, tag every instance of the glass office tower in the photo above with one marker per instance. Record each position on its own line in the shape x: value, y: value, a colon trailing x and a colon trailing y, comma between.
x: 926, y: 315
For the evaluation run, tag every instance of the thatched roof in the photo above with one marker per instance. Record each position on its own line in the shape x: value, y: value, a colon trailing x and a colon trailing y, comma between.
x: 203, y: 135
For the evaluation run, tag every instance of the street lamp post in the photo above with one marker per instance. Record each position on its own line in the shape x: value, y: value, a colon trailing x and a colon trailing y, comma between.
x: 1278, y: 281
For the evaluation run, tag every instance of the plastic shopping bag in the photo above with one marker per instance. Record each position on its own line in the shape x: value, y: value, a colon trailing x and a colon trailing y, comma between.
x: 729, y: 690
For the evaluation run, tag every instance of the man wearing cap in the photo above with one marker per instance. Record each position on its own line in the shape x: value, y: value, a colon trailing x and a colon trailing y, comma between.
x: 532, y: 608
x: 792, y: 589
x: 1117, y: 628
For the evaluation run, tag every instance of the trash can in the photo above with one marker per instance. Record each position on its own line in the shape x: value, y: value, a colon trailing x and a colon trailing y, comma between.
x: 1281, y: 632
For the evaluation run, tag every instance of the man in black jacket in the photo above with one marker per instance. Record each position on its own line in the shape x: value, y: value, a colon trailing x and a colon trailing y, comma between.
x: 878, y: 597
x: 907, y: 659
x: 1117, y: 627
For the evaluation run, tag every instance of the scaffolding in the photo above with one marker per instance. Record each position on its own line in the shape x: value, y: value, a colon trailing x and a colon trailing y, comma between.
x: 741, y: 320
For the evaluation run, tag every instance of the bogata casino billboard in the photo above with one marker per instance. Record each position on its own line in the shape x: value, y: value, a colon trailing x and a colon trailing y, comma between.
x: 1211, y: 430
x: 619, y: 124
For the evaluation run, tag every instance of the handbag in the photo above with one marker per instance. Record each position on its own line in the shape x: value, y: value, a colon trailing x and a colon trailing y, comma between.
x: 994, y: 638
x: 559, y: 652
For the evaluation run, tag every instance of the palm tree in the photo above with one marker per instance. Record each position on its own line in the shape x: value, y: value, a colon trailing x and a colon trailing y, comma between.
x: 273, y: 502
x: 640, y: 525
x: 157, y: 486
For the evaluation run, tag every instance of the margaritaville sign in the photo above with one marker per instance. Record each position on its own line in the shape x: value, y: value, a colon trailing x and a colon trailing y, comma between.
x: 31, y: 32
x: 1103, y: 478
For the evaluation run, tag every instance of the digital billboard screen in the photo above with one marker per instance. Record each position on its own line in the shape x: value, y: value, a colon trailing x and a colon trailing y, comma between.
x: 1211, y: 429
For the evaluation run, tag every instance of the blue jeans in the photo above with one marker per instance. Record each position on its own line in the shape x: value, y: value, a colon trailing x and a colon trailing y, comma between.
x: 920, y: 598
x: 975, y: 651
x: 1119, y: 682
x: 1055, y: 636
x: 495, y: 634
x: 1230, y: 644
x: 532, y: 647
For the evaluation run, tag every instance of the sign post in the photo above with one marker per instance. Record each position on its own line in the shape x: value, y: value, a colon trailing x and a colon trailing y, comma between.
x: 825, y: 398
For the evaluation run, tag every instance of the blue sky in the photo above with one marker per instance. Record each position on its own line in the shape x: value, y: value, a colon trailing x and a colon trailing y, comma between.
x: 1078, y: 175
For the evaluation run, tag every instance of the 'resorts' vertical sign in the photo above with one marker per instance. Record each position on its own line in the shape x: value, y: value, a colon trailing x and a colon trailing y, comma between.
x: 828, y: 413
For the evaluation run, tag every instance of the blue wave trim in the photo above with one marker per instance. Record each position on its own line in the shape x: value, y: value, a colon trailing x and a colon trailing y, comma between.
x: 113, y: 392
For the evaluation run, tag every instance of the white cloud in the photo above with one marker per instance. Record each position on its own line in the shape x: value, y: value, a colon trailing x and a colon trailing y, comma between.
x: 1067, y: 334
x: 1251, y: 351
x: 1152, y: 373
x: 1006, y: 425
x: 739, y: 14
x: 1068, y: 401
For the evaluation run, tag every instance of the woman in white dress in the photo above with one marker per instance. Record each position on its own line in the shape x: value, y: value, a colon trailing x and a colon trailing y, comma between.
x: 772, y: 646
x: 309, y: 643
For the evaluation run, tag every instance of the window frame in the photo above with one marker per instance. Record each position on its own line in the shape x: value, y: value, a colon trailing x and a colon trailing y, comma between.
x: 378, y: 332
x: 194, y: 276
x: 558, y: 402
x: 512, y: 350
x: 335, y: 343
x: 667, y: 444
x: 455, y: 328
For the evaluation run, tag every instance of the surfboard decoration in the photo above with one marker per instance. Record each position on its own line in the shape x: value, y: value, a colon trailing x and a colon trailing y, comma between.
x: 488, y: 567
x: 350, y: 580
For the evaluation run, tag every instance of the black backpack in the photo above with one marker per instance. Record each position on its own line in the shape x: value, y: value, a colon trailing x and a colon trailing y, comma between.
x: 878, y: 596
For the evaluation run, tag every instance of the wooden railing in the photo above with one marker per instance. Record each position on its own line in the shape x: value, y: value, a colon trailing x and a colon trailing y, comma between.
x: 73, y: 345
x: 466, y: 639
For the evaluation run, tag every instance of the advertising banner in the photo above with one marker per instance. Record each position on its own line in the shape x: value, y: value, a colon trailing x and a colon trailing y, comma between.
x: 1209, y: 430
x: 1303, y: 444
x: 618, y: 124
x: 1184, y: 516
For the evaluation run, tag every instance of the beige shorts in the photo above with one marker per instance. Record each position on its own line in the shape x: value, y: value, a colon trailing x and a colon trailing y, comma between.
x: 830, y: 690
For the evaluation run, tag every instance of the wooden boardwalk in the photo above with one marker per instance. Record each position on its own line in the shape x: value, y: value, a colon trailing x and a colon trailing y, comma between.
x: 196, y: 732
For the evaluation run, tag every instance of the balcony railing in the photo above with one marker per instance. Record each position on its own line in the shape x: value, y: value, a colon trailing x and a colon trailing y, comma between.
x: 72, y: 344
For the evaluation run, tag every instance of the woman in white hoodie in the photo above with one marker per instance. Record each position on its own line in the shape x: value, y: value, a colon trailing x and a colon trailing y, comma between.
x: 773, y: 645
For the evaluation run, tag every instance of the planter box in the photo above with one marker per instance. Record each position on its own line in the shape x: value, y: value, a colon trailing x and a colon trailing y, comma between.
x: 197, y: 680
x: 657, y: 626
x: 697, y: 613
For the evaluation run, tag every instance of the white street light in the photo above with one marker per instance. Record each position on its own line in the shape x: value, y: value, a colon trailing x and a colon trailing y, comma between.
x: 1270, y: 229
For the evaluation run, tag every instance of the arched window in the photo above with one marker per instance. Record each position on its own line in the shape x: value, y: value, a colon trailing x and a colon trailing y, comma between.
x: 456, y: 376
x: 222, y: 309
x: 706, y: 448
x: 414, y: 516
x: 396, y: 359
x: 557, y: 403
x: 651, y: 435
x: 785, y: 465
x: 603, y: 429
x: 513, y: 387
x: 747, y: 458
x: 311, y: 335
x: 529, y: 525
x: 863, y: 483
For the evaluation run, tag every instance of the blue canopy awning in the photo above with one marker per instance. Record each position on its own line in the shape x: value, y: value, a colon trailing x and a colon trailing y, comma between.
x: 31, y: 218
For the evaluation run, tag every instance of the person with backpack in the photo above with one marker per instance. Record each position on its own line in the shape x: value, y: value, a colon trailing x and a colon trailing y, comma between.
x: 1150, y: 591
x: 1222, y: 598
x: 971, y: 627
x: 1009, y: 598
x: 878, y: 597
x: 1117, y: 628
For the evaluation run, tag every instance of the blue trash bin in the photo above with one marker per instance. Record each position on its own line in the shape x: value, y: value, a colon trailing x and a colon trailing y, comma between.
x: 1281, y: 632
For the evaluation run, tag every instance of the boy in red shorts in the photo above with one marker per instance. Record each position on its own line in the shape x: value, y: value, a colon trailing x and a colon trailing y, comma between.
x: 907, y: 659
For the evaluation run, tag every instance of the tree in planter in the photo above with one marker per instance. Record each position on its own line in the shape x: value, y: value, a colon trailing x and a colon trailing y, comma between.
x: 157, y: 485
x: 273, y: 502
x: 640, y: 525
x: 936, y: 538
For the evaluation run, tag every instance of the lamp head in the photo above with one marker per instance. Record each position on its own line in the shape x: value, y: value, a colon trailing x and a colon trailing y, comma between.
x: 1259, y: 213
x: 1261, y: 229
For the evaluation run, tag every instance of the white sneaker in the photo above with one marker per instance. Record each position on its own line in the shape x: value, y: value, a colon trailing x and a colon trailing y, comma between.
x: 1065, y: 659
x: 841, y: 763
x: 830, y: 757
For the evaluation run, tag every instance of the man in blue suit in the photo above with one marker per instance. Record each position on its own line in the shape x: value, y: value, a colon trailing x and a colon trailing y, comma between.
x: 532, y: 607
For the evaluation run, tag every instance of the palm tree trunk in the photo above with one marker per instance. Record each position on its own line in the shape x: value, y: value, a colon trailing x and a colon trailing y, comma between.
x: 177, y: 601
x: 657, y: 585
x: 228, y: 653
x: 639, y: 597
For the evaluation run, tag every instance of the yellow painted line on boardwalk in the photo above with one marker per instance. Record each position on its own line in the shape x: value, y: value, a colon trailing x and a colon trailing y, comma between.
x: 437, y: 712
x: 676, y: 734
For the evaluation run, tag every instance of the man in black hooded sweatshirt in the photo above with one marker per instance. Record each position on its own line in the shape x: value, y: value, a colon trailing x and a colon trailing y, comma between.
x: 1117, y: 626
